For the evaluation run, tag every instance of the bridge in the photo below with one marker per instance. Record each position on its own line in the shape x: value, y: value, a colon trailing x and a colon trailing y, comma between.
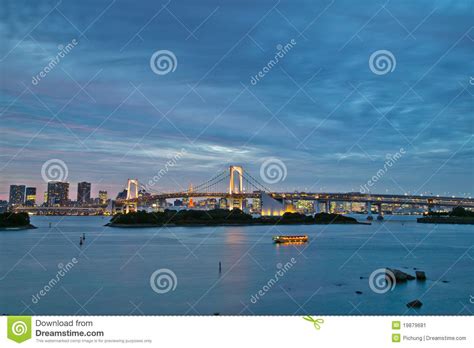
x: 236, y: 186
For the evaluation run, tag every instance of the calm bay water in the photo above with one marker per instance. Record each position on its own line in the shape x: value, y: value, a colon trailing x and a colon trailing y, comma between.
x: 114, y: 266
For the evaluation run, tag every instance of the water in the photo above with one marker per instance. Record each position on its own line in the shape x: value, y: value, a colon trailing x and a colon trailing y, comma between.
x: 112, y: 275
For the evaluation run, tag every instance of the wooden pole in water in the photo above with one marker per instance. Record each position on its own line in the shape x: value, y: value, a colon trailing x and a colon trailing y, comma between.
x: 80, y: 241
x: 83, y: 236
x: 220, y: 267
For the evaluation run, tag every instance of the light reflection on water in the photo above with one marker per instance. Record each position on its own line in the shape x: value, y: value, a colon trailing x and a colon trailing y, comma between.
x: 115, y: 265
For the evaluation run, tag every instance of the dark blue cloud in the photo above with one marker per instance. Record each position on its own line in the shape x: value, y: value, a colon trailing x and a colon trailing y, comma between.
x: 320, y: 109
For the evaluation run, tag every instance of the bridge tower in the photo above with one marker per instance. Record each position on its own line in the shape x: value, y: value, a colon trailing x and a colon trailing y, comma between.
x: 236, y: 202
x: 240, y: 172
x: 132, y: 205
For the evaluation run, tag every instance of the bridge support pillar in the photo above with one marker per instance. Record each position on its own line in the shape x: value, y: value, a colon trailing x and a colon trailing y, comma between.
x: 380, y: 211
x: 316, y: 207
x: 369, y: 211
x: 328, y: 206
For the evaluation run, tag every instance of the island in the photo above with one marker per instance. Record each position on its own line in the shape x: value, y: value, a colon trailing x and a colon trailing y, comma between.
x: 221, y: 217
x: 458, y: 215
x: 15, y: 221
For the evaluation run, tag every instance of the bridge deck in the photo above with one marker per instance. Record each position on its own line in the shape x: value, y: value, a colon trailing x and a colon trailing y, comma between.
x: 336, y: 197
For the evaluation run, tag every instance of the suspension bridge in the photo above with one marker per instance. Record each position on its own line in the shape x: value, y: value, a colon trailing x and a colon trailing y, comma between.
x: 237, y: 185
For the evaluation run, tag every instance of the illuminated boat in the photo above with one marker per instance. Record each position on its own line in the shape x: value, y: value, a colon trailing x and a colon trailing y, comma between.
x: 290, y: 239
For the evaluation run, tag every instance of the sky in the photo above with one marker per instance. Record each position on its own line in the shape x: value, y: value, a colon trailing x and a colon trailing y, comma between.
x: 324, y: 113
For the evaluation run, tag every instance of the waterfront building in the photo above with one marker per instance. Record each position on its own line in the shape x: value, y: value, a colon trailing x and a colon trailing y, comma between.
x: 58, y: 193
x: 256, y: 205
x: 305, y: 206
x: 30, y: 196
x: 223, y: 203
x: 17, y: 195
x: 3, y: 206
x: 210, y: 203
x: 103, y: 197
x: 83, y: 193
x: 185, y: 201
x: 273, y: 207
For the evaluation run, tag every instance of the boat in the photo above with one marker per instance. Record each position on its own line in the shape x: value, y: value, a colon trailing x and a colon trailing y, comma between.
x: 290, y: 239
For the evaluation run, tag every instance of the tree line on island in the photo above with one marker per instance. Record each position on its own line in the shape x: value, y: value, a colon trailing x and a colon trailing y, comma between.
x: 458, y: 215
x: 14, y: 220
x: 221, y: 217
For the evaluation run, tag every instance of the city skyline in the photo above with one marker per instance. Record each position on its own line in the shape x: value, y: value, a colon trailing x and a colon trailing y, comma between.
x: 320, y: 110
x: 26, y: 195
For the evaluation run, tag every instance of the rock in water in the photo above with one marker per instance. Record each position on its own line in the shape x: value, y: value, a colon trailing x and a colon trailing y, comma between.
x: 414, y: 304
x: 420, y: 275
x: 400, y: 276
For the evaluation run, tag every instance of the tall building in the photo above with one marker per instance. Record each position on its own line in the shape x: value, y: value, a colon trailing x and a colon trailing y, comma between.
x: 58, y: 193
x: 122, y: 194
x: 83, y: 192
x: 17, y: 194
x: 30, y: 196
x: 102, y: 197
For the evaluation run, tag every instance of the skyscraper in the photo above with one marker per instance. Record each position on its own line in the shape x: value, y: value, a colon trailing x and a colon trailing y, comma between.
x: 17, y: 194
x: 58, y: 193
x: 102, y: 197
x: 83, y: 192
x: 30, y: 196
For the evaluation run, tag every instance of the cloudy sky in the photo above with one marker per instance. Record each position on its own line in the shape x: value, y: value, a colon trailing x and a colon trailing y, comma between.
x: 323, y: 110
